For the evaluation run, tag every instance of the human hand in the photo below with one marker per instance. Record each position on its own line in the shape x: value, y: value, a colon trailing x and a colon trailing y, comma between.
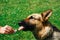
x: 6, y: 30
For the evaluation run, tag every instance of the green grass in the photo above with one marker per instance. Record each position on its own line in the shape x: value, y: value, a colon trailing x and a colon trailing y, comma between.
x: 12, y: 11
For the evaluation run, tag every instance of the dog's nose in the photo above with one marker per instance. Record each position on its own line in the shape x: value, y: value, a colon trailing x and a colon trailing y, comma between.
x: 19, y: 23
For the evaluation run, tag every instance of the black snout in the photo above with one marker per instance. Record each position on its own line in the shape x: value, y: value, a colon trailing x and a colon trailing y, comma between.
x: 21, y: 23
x: 26, y: 25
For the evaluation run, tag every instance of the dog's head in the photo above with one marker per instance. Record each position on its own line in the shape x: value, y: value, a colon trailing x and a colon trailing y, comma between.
x: 35, y: 20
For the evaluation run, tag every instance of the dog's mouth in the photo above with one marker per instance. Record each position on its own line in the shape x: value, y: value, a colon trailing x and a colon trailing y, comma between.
x: 22, y: 25
x: 25, y: 26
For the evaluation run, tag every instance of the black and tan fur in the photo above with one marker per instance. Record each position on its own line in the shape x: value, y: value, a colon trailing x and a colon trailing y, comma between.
x: 40, y: 26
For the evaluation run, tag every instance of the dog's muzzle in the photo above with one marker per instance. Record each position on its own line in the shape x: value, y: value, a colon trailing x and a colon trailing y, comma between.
x: 25, y: 26
x: 21, y: 24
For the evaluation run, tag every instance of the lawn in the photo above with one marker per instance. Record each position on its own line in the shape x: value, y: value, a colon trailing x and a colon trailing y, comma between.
x: 13, y: 11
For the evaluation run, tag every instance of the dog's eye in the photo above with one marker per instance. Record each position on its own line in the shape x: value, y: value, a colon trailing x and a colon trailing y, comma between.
x: 31, y: 17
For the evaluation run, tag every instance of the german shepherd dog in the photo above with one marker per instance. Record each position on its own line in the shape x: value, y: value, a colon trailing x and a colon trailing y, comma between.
x: 39, y: 25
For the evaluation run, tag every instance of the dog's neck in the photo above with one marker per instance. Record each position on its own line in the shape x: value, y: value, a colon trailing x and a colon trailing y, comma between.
x: 43, y: 32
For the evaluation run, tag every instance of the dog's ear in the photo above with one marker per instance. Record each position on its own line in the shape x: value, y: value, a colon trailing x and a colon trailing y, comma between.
x: 46, y: 14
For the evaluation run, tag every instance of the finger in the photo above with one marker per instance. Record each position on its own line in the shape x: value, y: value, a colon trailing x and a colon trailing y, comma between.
x: 12, y: 31
x: 6, y: 32
x: 9, y: 30
x: 8, y: 26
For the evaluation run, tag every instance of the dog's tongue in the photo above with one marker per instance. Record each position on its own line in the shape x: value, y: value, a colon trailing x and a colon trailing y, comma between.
x: 21, y: 28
